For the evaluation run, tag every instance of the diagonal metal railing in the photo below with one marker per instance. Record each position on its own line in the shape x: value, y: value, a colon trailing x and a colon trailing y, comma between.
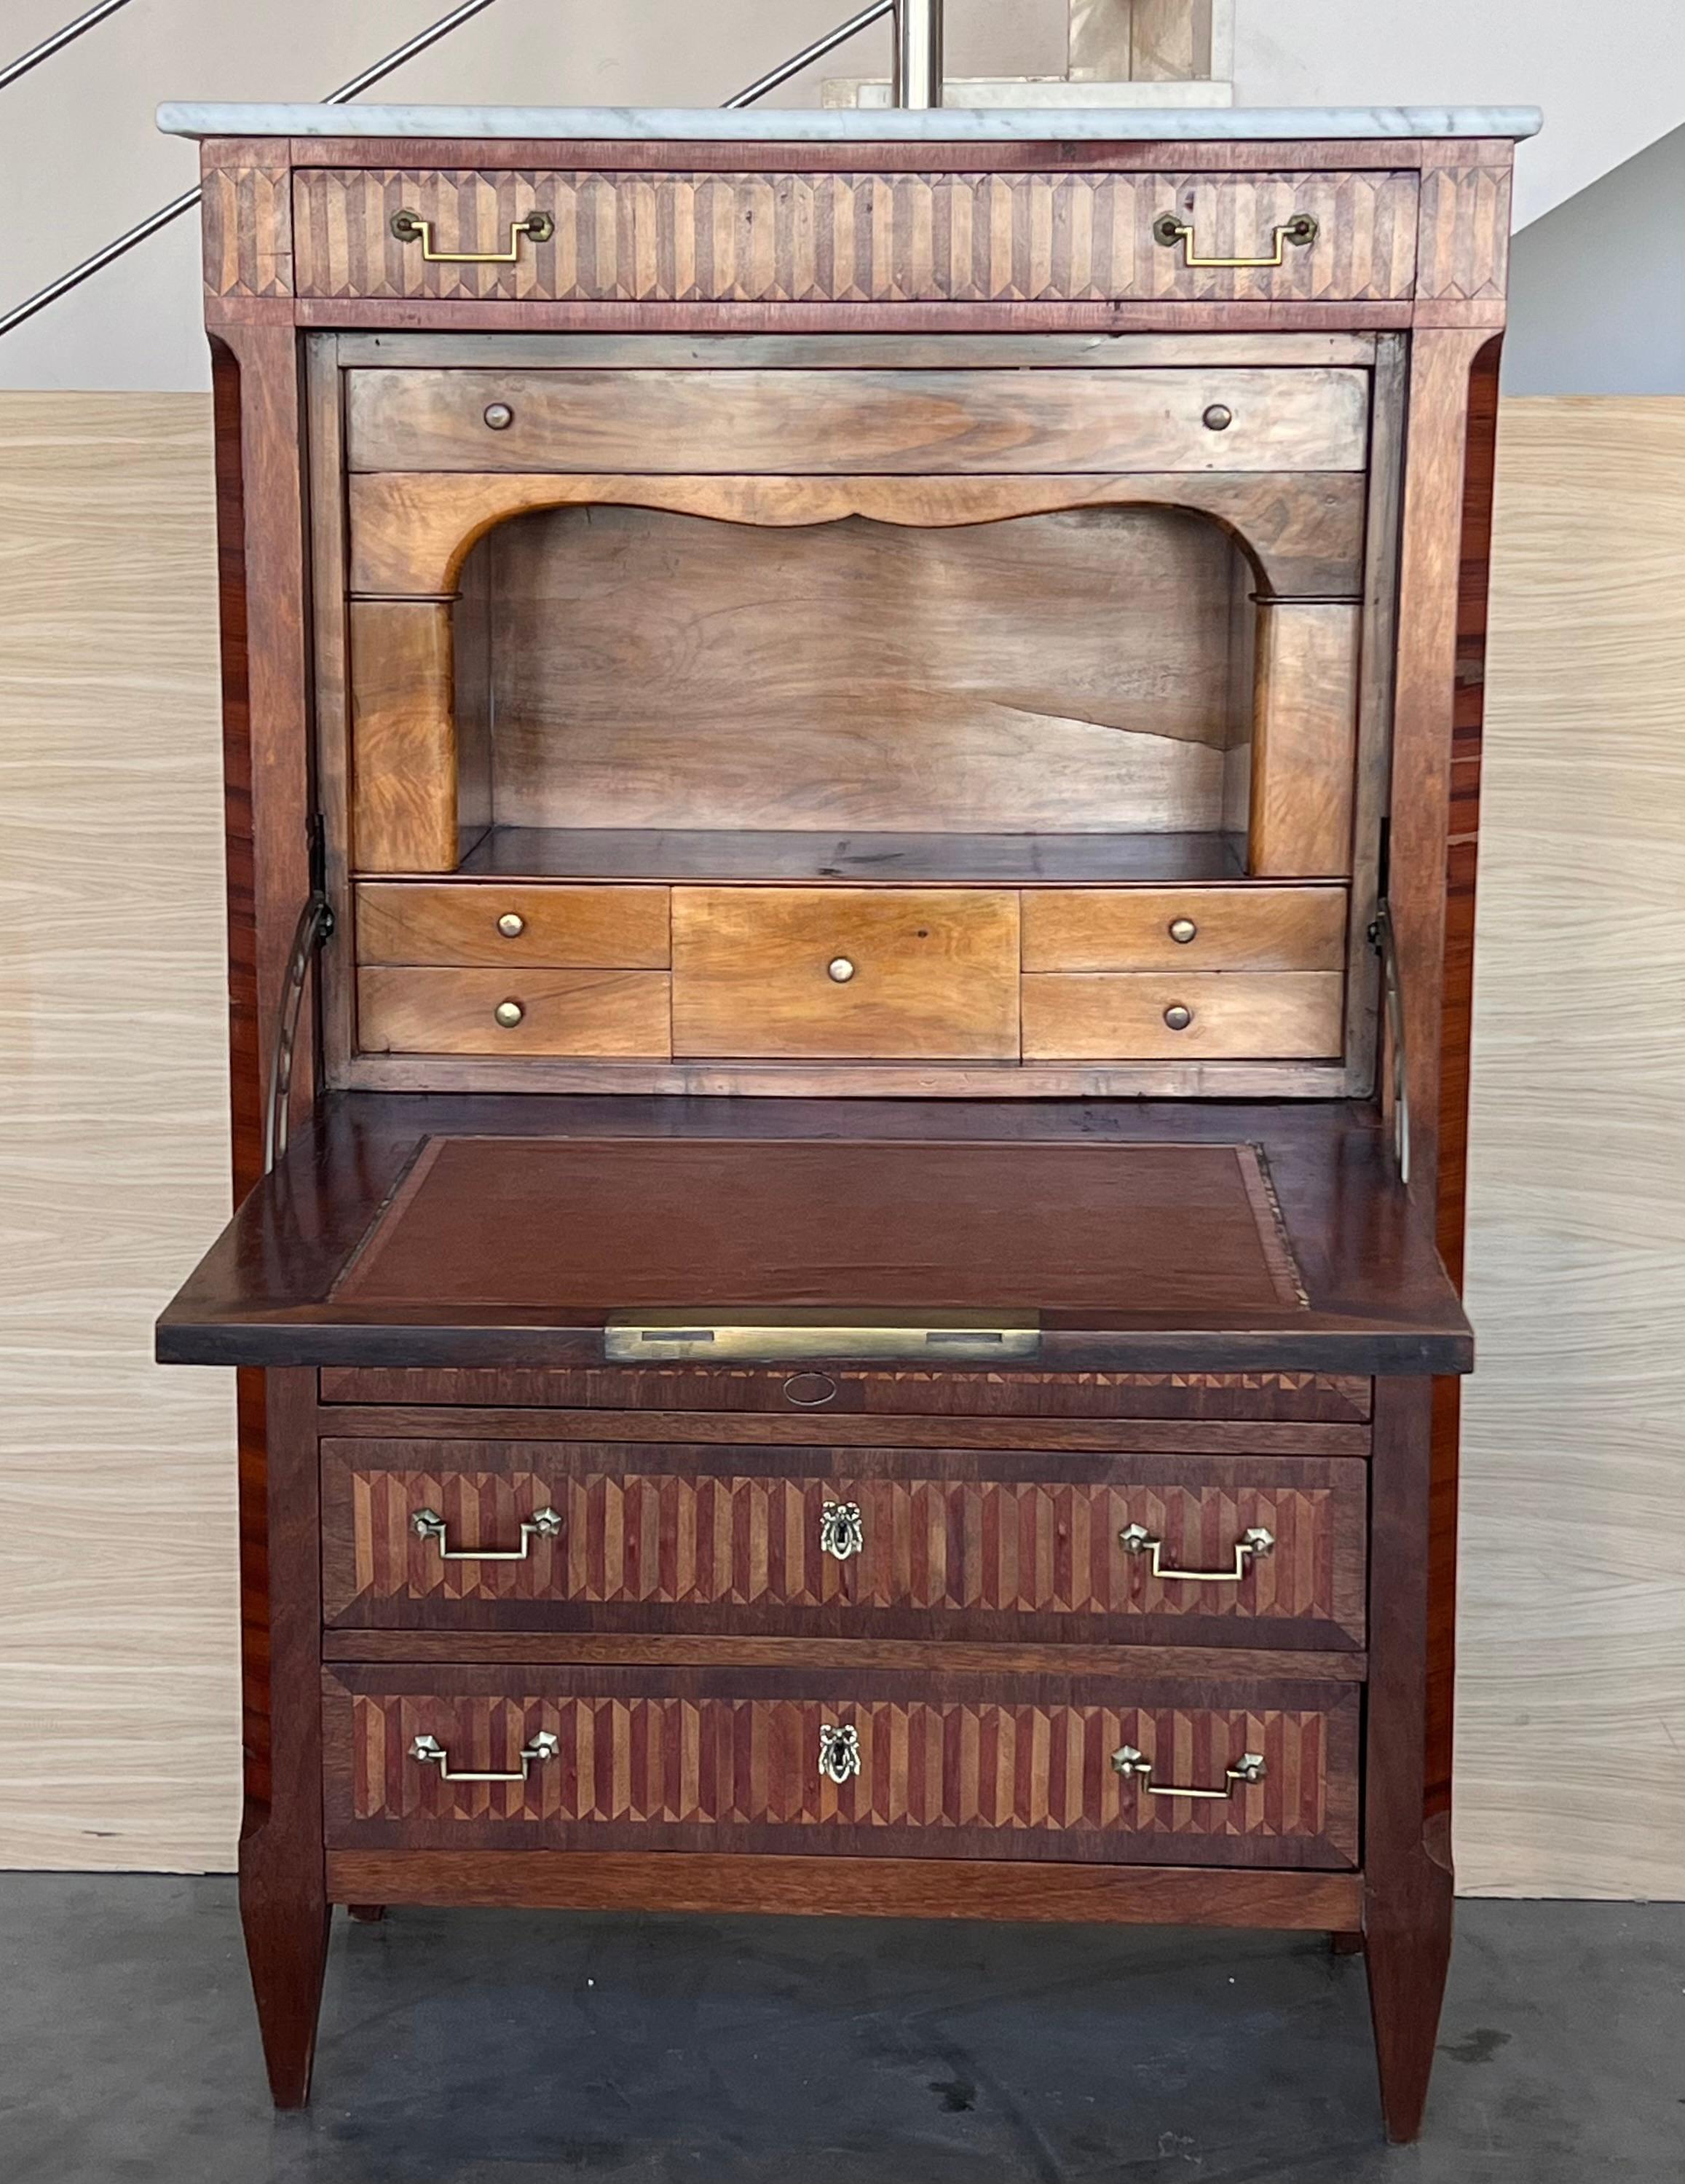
x: 909, y: 18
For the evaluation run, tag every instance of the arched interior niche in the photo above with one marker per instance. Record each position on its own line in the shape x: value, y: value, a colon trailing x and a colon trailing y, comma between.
x: 1080, y: 672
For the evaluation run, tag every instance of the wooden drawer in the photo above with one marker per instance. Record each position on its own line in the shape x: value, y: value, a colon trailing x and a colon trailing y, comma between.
x: 926, y: 973
x: 949, y: 1766
x: 1330, y: 1398
x: 847, y: 422
x: 803, y: 239
x: 607, y: 1013
x: 1181, y: 929
x: 836, y: 1542
x: 606, y: 928
x: 1096, y: 1016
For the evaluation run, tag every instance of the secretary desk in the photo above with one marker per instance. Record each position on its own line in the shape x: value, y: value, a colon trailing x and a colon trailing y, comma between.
x: 852, y: 748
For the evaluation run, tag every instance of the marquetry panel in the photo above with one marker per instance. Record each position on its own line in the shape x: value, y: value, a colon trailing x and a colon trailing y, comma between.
x: 854, y: 238
x: 1332, y: 1397
x: 248, y: 227
x: 962, y: 1547
x: 1025, y: 1778
x: 1465, y: 249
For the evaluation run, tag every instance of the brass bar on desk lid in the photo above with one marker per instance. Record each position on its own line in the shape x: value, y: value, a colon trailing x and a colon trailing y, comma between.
x: 811, y: 1331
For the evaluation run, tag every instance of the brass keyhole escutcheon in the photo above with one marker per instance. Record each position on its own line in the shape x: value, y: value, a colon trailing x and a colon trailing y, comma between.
x: 499, y: 417
x: 1219, y: 417
x: 839, y: 969
x: 1177, y: 1017
x: 509, y: 1014
x: 810, y: 1392
x: 511, y: 925
x: 1183, y: 930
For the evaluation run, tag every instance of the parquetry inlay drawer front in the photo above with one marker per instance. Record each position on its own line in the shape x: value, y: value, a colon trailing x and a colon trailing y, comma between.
x: 679, y: 238
x: 550, y: 1536
x: 1047, y: 1767
x: 856, y: 423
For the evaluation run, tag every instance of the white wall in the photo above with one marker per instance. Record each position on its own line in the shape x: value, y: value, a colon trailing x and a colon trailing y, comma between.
x: 80, y: 159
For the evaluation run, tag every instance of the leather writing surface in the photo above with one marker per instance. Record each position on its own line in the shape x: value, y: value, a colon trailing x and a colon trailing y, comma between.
x: 713, y: 1224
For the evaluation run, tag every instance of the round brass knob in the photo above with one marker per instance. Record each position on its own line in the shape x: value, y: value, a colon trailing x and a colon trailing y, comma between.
x: 499, y: 417
x: 1177, y: 1017
x: 509, y: 1014
x: 511, y: 925
x: 840, y: 969
x: 1218, y: 418
x: 1182, y: 929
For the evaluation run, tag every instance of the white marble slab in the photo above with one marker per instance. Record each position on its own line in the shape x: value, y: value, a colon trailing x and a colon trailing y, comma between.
x: 947, y: 124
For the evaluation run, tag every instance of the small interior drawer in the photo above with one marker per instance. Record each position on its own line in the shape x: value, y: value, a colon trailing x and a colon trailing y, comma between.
x: 439, y: 1010
x: 818, y: 1541
x: 792, y: 973
x: 850, y: 422
x: 1182, y: 929
x: 471, y: 923
x: 1276, y: 1016
x: 836, y: 1761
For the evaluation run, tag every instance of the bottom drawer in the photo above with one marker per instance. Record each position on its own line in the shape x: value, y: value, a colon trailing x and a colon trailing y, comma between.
x: 864, y: 1763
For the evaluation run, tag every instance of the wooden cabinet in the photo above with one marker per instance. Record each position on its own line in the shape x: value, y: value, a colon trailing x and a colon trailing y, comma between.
x: 851, y: 721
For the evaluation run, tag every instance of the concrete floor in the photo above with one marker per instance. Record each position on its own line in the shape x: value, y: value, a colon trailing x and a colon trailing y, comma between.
x: 497, y: 2048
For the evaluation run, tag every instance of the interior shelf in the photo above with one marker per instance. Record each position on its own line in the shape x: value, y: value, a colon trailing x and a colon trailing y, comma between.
x: 557, y: 853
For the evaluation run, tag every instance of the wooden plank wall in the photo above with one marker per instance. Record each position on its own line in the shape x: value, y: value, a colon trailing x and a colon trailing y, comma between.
x: 118, y: 1699
x: 1570, y: 1753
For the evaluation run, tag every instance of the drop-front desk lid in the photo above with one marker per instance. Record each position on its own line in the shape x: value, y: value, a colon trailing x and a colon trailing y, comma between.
x: 441, y: 1229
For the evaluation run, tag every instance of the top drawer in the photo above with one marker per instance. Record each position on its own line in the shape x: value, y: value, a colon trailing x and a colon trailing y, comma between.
x: 1008, y: 238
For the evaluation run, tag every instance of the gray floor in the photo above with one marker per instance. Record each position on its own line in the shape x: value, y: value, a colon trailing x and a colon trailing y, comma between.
x: 497, y: 2048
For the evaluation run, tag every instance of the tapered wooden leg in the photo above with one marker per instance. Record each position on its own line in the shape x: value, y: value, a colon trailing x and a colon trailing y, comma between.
x: 367, y: 1914
x: 1408, y: 1949
x: 286, y: 1948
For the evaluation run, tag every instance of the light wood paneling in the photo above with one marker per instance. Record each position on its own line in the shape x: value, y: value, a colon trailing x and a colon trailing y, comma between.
x: 1571, y: 1755
x: 119, y: 1703
x: 1233, y: 928
x: 1303, y: 740
x: 402, y: 737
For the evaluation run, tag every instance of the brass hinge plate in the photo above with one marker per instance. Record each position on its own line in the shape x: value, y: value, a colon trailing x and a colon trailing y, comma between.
x: 807, y: 1335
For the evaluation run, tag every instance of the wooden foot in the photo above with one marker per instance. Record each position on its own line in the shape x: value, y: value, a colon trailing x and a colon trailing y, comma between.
x: 1407, y: 1957
x: 367, y: 1914
x: 286, y: 1948
x: 1346, y: 1945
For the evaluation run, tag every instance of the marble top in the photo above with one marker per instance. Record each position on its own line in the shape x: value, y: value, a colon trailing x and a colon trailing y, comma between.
x: 947, y: 124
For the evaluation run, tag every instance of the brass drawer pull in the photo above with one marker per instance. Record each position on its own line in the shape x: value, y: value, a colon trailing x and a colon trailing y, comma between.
x: 511, y: 925
x: 1128, y: 1761
x: 839, y: 969
x: 542, y: 1524
x: 1136, y: 1540
x: 1178, y: 1016
x: 1181, y: 930
x: 509, y: 1014
x: 410, y: 228
x: 432, y: 1753
x: 839, y: 1752
x: 1170, y: 230
x: 842, y: 1532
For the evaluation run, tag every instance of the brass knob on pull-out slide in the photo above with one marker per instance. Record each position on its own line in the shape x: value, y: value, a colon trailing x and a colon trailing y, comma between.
x: 509, y: 1014
x: 511, y: 925
x: 1177, y: 1017
x: 1219, y: 417
x: 840, y: 970
x: 1182, y: 929
x: 499, y: 417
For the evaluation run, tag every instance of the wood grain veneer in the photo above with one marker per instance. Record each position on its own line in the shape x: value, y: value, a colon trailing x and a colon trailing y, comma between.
x: 1084, y: 1015
x: 1233, y: 928
x: 407, y: 1010
x: 560, y: 928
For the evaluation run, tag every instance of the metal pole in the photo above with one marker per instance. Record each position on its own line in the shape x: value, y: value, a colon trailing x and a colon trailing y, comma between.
x: 918, y: 52
x: 59, y: 39
x: 189, y: 198
x: 816, y: 51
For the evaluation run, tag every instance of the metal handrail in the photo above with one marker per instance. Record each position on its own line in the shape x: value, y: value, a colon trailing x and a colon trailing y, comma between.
x: 816, y: 52
x: 925, y: 35
x: 67, y: 34
x: 188, y: 198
